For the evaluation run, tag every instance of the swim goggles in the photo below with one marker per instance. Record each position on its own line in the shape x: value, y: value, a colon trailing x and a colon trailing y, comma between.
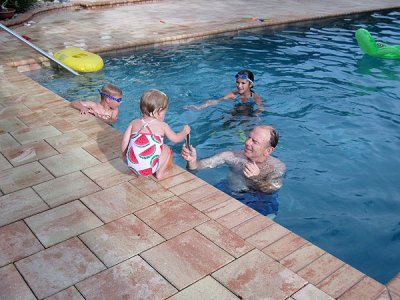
x: 110, y: 97
x: 244, y: 77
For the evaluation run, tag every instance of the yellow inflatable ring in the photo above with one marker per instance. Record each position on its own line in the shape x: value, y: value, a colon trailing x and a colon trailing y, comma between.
x: 80, y: 60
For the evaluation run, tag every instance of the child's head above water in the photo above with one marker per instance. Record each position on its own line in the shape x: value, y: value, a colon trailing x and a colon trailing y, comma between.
x: 153, y: 102
x: 111, y: 94
x: 245, y: 75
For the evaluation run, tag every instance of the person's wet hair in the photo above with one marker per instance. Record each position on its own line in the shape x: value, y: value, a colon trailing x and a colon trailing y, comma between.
x: 274, y: 137
x: 245, y: 74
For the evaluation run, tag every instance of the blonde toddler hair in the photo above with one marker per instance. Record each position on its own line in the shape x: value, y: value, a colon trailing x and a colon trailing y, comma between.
x: 153, y: 101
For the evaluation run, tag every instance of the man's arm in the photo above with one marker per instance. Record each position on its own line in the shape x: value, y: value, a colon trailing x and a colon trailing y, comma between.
x: 211, y: 162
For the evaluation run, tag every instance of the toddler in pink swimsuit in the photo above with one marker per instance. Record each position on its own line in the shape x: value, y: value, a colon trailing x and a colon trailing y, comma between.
x: 143, y: 141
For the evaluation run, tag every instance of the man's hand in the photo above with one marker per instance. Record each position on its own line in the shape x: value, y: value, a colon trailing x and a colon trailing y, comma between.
x: 251, y: 169
x: 189, y: 154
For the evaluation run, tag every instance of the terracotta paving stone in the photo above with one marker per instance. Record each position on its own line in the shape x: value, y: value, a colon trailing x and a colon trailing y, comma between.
x: 153, y: 189
x: 60, y: 223
x: 12, y: 286
x: 393, y: 295
x: 302, y: 257
x: 311, y: 292
x: 386, y: 296
x: 211, y: 201
x: 70, y: 293
x: 62, y: 125
x: 101, y: 152
x: 29, y: 135
x: 19, y: 205
x: 171, y: 217
x: 7, y: 141
x: 224, y: 238
x: 69, y: 162
x: 198, y: 193
x: 284, y: 246
x: 394, y: 284
x: 27, y: 153
x: 11, y: 124
x: 237, y: 217
x: 109, y: 173
x: 23, y: 176
x: 179, y: 189
x: 17, y: 242
x: 132, y: 279
x: 177, y: 179
x: 54, y: 269
x: 340, y: 281
x: 256, y: 276
x: 69, y: 141
x: 120, y: 239
x: 320, y: 268
x: 223, y: 208
x: 267, y: 236
x: 252, y: 226
x: 206, y: 288
x: 186, y: 258
x: 37, y: 119
x: 117, y: 201
x: 13, y: 111
x: 366, y: 289
x: 68, y: 187
x: 4, y: 164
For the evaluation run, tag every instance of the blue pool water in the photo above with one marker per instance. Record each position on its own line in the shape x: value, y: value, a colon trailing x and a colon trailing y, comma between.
x: 337, y: 111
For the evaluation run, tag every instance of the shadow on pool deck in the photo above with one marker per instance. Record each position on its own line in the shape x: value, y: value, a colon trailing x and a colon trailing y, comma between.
x: 74, y: 222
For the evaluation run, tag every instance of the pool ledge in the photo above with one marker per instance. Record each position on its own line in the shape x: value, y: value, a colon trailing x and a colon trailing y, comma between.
x: 74, y: 222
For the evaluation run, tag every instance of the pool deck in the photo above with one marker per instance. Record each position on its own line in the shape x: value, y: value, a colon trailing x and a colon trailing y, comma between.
x: 75, y: 224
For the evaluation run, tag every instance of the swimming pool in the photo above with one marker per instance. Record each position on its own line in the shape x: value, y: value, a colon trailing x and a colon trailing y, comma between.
x: 336, y: 110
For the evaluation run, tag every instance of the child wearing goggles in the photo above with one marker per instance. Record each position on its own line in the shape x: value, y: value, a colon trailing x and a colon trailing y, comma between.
x: 107, y: 108
x: 244, y: 97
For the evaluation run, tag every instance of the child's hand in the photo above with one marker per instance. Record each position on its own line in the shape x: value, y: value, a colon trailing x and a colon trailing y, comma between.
x: 186, y: 129
x: 84, y: 110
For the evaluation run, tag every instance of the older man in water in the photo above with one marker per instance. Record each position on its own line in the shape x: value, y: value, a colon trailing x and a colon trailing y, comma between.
x: 259, y: 170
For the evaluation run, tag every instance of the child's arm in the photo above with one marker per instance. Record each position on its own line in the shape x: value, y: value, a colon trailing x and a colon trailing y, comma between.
x: 84, y: 106
x: 208, y: 103
x: 125, y: 140
x: 114, y: 116
x: 175, y: 137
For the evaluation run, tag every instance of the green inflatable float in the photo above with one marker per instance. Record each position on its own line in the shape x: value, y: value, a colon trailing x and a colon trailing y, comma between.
x: 369, y: 46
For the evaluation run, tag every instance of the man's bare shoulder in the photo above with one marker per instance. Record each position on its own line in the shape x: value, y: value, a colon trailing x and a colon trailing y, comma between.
x: 278, y: 165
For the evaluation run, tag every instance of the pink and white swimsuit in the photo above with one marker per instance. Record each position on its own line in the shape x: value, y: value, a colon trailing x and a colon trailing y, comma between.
x: 144, y: 150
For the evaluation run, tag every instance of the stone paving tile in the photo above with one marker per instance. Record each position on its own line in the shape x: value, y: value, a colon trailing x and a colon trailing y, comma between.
x: 393, y: 295
x: 386, y: 296
x: 267, y: 236
x: 311, y: 292
x: 256, y: 276
x: 179, y: 189
x: 17, y: 242
x: 223, y: 208
x: 54, y: 269
x: 12, y: 286
x: 186, y: 258
x: 176, y: 179
x: 199, y: 193
x: 132, y: 279
x: 340, y: 281
x: 29, y: 135
x: 69, y: 141
x: 23, y: 176
x: 69, y: 162
x: 366, y: 289
x: 284, y: 246
x: 19, y: 205
x: 37, y: 119
x: 252, y: 226
x: 302, y: 257
x: 206, y: 288
x: 69, y: 187
x: 109, y: 173
x: 27, y: 153
x: 117, y: 201
x: 171, y: 217
x: 102, y: 152
x: 394, y: 284
x: 13, y: 111
x: 211, y: 201
x: 7, y: 141
x: 321, y: 268
x: 70, y: 293
x: 62, y: 125
x: 153, y: 189
x: 120, y: 239
x: 237, y: 217
x: 63, y: 222
x: 11, y: 124
x: 224, y: 238
x: 4, y: 164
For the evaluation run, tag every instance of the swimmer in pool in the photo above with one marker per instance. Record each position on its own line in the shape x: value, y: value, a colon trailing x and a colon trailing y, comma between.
x: 244, y: 97
x: 107, y: 108
x: 257, y: 169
